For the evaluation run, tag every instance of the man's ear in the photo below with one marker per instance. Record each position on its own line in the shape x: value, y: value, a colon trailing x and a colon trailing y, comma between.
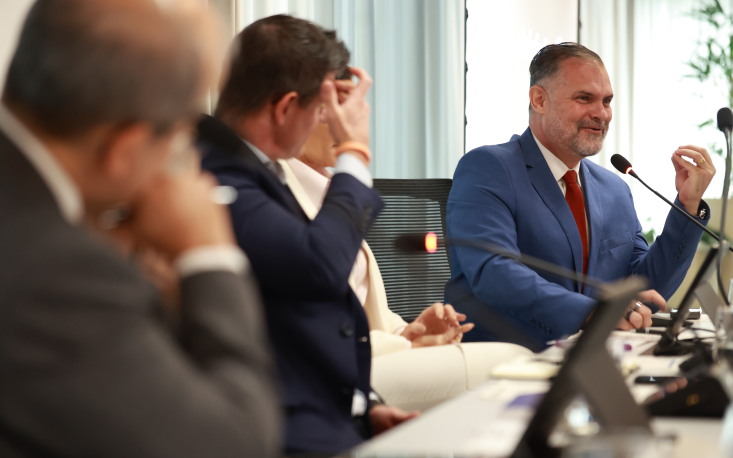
x: 284, y: 106
x: 537, y: 98
x: 120, y: 152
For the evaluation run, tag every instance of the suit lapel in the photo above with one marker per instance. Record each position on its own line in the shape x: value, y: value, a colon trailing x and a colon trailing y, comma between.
x: 228, y: 143
x: 592, y: 196
x: 21, y: 182
x: 544, y: 183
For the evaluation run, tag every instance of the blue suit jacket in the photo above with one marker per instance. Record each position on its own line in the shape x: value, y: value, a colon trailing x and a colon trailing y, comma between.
x: 317, y: 325
x: 506, y: 195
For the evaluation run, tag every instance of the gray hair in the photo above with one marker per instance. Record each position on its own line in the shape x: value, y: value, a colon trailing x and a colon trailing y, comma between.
x: 546, y: 62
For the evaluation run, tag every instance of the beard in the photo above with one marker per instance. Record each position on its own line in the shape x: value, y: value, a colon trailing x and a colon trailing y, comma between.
x: 573, y: 136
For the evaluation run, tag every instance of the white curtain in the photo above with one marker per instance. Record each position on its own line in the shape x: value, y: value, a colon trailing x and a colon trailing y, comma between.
x: 501, y: 39
x: 645, y: 44
x: 414, y: 50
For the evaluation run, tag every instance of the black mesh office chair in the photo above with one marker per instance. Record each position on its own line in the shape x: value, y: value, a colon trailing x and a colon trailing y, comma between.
x: 412, y: 206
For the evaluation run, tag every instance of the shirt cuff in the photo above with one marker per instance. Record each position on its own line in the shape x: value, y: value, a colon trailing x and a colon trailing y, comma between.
x: 351, y: 164
x: 215, y: 257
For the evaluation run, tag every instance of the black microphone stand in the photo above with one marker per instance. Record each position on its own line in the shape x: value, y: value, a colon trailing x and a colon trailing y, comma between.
x: 704, y: 385
x: 724, y: 120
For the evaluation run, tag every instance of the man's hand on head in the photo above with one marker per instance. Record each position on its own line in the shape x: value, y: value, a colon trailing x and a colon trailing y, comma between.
x: 348, y: 118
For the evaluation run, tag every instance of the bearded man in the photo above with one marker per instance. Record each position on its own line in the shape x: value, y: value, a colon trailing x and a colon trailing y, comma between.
x: 537, y: 195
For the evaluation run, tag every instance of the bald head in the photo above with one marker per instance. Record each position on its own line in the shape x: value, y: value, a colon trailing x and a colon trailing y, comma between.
x: 84, y: 63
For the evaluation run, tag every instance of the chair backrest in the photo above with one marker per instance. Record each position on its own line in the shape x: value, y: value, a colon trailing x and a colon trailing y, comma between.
x: 412, y: 206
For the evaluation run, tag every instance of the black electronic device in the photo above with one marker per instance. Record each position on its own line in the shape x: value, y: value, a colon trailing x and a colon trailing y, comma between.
x: 655, y: 379
x: 589, y: 370
x: 662, y: 322
x: 702, y: 396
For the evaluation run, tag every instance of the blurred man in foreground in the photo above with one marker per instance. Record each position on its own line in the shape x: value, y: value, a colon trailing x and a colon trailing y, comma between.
x: 99, y: 101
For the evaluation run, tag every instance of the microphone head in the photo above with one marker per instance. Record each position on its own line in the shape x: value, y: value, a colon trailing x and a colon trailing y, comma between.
x: 725, y: 120
x: 622, y: 165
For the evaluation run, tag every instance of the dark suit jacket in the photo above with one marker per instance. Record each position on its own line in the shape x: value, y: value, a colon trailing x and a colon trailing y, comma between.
x: 317, y: 325
x: 87, y: 366
x: 506, y: 194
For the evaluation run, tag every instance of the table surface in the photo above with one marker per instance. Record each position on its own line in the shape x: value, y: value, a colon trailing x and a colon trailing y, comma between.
x: 488, y: 421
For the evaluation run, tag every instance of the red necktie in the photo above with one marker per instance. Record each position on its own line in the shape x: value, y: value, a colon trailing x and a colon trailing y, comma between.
x: 574, y: 196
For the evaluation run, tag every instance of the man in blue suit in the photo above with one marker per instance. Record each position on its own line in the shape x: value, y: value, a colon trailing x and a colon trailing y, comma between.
x: 517, y: 195
x: 280, y: 84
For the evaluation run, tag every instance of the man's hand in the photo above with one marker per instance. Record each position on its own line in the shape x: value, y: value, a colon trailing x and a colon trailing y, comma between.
x: 437, y: 325
x: 651, y: 296
x: 348, y: 118
x: 384, y: 417
x: 692, y: 179
x: 638, y: 315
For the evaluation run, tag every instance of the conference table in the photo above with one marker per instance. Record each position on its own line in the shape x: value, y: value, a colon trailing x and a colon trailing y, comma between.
x: 489, y: 420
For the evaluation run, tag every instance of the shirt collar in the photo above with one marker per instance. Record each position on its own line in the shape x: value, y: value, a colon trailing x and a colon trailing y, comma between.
x: 557, y: 167
x: 274, y: 167
x: 62, y: 187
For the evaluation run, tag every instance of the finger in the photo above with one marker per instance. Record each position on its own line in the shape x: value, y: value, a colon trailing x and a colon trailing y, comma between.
x: 444, y: 338
x: 345, y: 86
x: 329, y: 95
x: 413, y: 331
x: 459, y: 316
x: 438, y: 310
x: 429, y: 341
x: 465, y: 327
x: 699, y: 155
x: 450, y: 315
x: 646, y: 316
x: 364, y: 84
x: 402, y: 416
x: 624, y: 325
x: 651, y: 296
x: 636, y: 320
x: 697, y: 149
x: 681, y: 163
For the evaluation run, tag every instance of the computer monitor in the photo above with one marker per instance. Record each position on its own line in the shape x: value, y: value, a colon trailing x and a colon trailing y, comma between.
x: 589, y: 370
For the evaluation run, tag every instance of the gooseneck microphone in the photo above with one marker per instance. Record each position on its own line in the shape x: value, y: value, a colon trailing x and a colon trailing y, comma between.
x: 725, y: 124
x: 428, y: 242
x: 624, y: 166
x: 725, y: 121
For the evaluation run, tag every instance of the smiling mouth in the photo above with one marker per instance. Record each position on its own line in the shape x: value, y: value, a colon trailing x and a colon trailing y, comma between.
x: 595, y: 130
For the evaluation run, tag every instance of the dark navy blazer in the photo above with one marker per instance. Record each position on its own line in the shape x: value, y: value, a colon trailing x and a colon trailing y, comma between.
x: 317, y: 325
x: 506, y: 195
